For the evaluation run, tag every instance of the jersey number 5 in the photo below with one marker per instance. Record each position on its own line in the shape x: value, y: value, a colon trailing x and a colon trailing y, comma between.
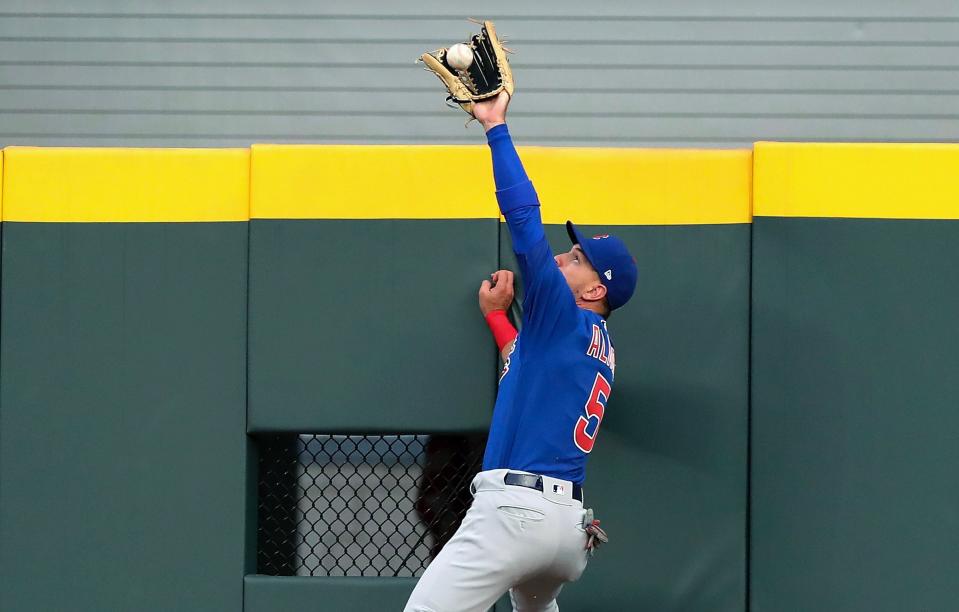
x: 595, y: 408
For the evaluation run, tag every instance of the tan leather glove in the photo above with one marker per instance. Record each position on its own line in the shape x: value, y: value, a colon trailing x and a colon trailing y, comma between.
x: 487, y: 75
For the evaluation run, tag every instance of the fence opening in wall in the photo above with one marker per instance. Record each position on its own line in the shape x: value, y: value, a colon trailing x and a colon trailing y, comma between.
x: 336, y: 505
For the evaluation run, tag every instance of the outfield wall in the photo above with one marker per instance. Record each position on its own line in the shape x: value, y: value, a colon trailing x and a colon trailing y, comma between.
x: 123, y: 379
x: 161, y: 306
x: 855, y: 378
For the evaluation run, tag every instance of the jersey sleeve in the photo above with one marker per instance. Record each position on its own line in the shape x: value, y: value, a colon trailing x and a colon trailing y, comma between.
x: 548, y: 304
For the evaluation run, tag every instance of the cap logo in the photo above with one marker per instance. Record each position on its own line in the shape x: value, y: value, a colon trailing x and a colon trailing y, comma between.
x: 600, y: 236
x: 608, y: 274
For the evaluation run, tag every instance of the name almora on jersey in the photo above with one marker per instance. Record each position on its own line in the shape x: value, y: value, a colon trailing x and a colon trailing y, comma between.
x: 557, y: 378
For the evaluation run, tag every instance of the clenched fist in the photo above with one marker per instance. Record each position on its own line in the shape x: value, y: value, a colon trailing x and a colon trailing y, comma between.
x: 496, y: 293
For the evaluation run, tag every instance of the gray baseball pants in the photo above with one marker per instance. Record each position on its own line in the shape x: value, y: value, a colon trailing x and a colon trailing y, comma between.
x: 514, y: 539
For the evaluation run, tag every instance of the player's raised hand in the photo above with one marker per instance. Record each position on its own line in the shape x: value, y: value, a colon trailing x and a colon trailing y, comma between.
x: 492, y: 112
x: 497, y: 292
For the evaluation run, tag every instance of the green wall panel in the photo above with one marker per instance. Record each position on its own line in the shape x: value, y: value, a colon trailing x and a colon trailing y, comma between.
x: 344, y: 594
x: 298, y: 594
x: 370, y: 325
x: 122, y: 391
x: 668, y: 475
x: 855, y: 498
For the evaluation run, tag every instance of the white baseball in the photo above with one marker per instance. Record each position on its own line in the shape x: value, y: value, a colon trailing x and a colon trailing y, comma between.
x: 459, y: 56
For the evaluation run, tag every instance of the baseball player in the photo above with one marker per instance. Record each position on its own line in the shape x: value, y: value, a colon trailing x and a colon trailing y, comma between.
x: 527, y: 531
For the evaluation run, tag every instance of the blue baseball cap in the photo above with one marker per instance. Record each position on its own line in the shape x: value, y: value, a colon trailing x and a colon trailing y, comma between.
x: 612, y: 261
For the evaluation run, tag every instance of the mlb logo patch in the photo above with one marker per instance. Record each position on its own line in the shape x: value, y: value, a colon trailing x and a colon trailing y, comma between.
x: 559, y: 489
x: 600, y: 236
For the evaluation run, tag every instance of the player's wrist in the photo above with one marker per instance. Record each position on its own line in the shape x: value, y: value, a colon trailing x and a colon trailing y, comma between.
x: 503, y: 330
x: 490, y: 124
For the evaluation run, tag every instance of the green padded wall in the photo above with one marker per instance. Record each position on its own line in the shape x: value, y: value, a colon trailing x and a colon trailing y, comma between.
x: 855, y: 501
x: 667, y: 477
x: 295, y: 594
x: 122, y: 397
x: 370, y: 325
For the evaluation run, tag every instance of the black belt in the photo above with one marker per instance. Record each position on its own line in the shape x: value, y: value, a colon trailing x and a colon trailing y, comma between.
x: 532, y: 481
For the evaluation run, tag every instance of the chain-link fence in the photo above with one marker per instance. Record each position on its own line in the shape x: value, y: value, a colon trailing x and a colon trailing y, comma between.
x: 333, y: 505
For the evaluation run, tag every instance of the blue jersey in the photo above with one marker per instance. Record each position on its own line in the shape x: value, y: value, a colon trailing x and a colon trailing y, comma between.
x: 559, y: 375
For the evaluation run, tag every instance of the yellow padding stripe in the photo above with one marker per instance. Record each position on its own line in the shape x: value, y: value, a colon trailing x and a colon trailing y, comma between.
x: 1, y: 185
x: 123, y: 185
x: 641, y: 186
x: 882, y: 181
x: 590, y: 186
x: 371, y: 182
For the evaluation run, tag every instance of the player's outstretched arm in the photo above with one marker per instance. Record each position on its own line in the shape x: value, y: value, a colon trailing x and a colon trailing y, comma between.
x: 495, y: 298
x: 514, y: 191
x: 547, y: 297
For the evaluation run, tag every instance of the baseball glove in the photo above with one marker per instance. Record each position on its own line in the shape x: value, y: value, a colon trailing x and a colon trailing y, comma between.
x: 484, y: 78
